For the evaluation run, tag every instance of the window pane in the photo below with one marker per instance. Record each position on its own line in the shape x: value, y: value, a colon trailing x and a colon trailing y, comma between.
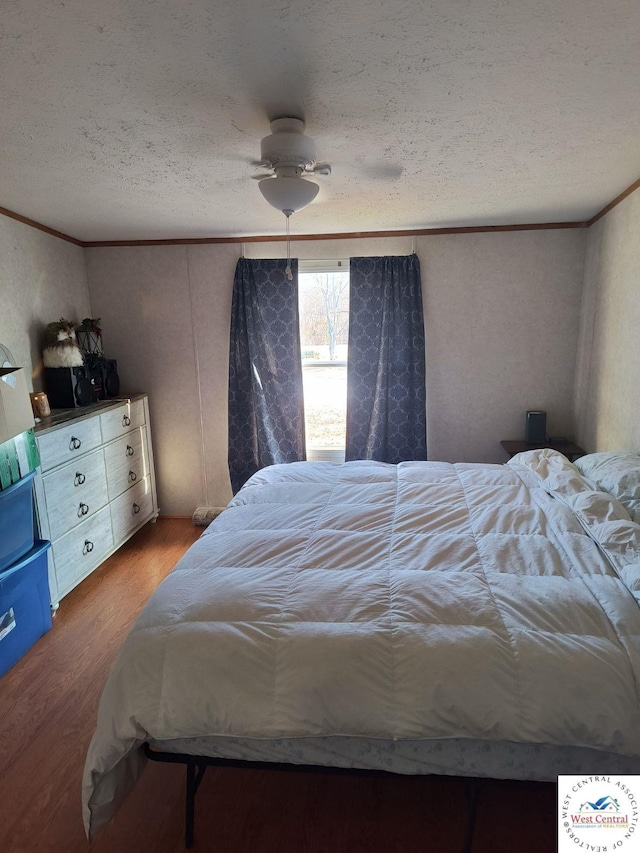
x: 325, y: 405
x: 324, y: 315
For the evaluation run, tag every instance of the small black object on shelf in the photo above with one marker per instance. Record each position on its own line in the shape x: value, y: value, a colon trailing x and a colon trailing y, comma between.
x: 68, y: 387
x: 89, y: 337
x: 104, y: 376
x: 536, y: 427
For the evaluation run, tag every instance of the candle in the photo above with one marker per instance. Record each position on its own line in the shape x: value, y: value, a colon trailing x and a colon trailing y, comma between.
x: 40, y: 405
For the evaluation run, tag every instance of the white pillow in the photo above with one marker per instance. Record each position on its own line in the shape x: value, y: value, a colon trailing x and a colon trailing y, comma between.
x: 553, y: 471
x: 621, y: 540
x: 616, y: 472
x: 630, y: 574
x: 597, y: 507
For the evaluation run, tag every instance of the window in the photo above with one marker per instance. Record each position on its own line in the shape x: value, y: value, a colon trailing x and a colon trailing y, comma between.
x: 323, y: 288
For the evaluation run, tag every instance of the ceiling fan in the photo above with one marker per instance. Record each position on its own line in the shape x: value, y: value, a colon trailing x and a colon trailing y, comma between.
x: 290, y: 157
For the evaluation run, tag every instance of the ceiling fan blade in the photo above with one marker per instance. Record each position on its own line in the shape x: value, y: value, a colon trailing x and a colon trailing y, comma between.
x: 383, y: 171
x: 321, y: 169
x: 262, y: 175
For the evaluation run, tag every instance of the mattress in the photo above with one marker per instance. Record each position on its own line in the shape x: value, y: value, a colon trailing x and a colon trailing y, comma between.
x: 532, y: 762
x: 389, y: 610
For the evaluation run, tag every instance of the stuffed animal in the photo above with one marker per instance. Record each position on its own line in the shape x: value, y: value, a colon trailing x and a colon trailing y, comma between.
x: 61, y: 347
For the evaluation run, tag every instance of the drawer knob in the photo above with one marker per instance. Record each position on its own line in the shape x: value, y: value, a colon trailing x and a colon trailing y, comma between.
x: 132, y: 476
x: 83, y: 509
x: 79, y: 480
x: 126, y: 421
x: 75, y: 443
x: 135, y: 508
x: 130, y: 450
x: 88, y: 546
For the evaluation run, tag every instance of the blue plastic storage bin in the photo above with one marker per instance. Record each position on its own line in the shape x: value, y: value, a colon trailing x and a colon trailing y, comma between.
x: 16, y: 521
x: 25, y: 612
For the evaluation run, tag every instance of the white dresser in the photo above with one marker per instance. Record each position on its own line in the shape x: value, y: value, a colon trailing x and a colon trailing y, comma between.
x: 96, y: 485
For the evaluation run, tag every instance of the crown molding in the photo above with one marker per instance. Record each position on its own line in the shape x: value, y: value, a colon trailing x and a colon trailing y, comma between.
x: 614, y: 203
x: 25, y: 221
x: 346, y: 235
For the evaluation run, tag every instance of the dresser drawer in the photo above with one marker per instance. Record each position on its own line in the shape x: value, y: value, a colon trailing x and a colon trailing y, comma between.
x: 81, y: 550
x: 126, y: 461
x: 74, y: 492
x: 69, y: 442
x: 130, y: 509
x: 126, y: 417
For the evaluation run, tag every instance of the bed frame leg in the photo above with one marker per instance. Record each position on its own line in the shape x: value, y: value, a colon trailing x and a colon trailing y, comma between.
x: 196, y: 766
x: 195, y: 772
x: 472, y: 792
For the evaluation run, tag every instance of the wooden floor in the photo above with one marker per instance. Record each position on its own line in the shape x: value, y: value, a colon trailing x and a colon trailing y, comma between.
x: 48, y: 705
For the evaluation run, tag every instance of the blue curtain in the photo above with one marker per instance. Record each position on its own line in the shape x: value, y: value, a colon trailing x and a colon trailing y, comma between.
x: 266, y: 412
x: 386, y: 393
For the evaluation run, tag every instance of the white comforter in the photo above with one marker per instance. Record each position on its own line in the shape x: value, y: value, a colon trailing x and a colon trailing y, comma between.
x: 424, y: 600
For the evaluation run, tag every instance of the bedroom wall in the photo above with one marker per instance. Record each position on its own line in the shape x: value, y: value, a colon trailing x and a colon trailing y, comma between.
x: 165, y: 312
x: 607, y: 398
x: 42, y: 278
x: 502, y: 321
x: 502, y: 317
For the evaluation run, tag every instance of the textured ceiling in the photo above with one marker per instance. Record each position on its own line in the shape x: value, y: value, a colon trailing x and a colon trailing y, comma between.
x: 137, y: 120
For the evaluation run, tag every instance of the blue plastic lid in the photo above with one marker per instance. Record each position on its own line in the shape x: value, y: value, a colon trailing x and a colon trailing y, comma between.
x: 21, y: 484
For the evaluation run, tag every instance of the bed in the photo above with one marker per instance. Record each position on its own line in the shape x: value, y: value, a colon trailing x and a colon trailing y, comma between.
x: 426, y: 617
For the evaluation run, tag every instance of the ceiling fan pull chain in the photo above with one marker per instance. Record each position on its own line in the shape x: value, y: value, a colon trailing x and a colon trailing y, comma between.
x: 287, y: 269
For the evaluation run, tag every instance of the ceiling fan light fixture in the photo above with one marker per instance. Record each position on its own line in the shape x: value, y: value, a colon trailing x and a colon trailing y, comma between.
x: 288, y: 193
